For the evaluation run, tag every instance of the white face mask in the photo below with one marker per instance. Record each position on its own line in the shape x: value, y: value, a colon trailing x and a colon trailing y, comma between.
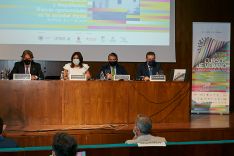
x: 76, y: 61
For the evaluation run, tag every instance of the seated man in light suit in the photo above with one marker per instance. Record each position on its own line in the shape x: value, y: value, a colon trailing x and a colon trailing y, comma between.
x: 112, y: 67
x: 27, y: 66
x: 142, y: 130
x: 150, y: 67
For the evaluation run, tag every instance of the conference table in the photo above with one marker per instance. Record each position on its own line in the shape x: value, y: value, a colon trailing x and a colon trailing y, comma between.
x: 30, y: 105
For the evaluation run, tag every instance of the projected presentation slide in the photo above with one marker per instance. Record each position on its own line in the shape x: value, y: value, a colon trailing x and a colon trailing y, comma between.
x: 85, y: 22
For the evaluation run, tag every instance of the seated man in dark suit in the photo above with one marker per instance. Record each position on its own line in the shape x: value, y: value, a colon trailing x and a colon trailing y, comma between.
x: 27, y: 66
x: 150, y: 67
x: 5, y: 142
x: 112, y: 67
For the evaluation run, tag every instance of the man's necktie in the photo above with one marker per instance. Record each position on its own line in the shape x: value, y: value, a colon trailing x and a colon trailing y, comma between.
x: 112, y: 71
x: 27, y: 70
x: 150, y: 70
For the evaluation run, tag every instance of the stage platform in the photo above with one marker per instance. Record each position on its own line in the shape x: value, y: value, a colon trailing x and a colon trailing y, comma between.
x: 200, y: 128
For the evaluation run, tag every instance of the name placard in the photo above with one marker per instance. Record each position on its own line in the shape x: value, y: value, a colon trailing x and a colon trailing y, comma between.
x: 77, y: 77
x: 21, y: 76
x: 121, y: 77
x: 151, y: 144
x: 157, y: 78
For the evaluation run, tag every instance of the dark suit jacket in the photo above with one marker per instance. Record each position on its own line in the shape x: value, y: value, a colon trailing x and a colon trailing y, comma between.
x: 35, y: 69
x: 120, y: 70
x: 7, y: 143
x: 143, y: 70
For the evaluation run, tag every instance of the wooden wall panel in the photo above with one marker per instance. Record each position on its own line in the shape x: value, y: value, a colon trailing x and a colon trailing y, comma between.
x: 96, y: 102
x: 30, y: 102
x: 105, y: 136
x: 187, y: 11
x: 48, y: 105
x: 160, y: 101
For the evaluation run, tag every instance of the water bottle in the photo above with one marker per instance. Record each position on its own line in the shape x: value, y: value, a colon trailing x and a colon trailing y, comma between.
x: 62, y: 75
x: 7, y: 72
x: 2, y: 75
x: 102, y: 76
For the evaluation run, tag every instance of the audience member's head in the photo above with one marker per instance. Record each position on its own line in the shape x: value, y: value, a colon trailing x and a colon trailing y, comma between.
x: 5, y: 142
x: 143, y: 125
x: 64, y: 145
x: 142, y: 132
x: 2, y: 126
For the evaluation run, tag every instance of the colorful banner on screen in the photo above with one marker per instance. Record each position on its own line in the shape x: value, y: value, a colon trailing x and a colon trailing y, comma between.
x: 211, y: 67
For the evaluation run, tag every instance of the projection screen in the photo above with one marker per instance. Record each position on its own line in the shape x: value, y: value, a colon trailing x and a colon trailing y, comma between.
x: 54, y: 29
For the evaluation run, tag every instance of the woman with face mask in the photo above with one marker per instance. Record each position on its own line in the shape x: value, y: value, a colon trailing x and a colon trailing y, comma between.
x: 76, y: 67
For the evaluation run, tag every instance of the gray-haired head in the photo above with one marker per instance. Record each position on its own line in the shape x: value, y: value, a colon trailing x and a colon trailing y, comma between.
x: 144, y: 124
